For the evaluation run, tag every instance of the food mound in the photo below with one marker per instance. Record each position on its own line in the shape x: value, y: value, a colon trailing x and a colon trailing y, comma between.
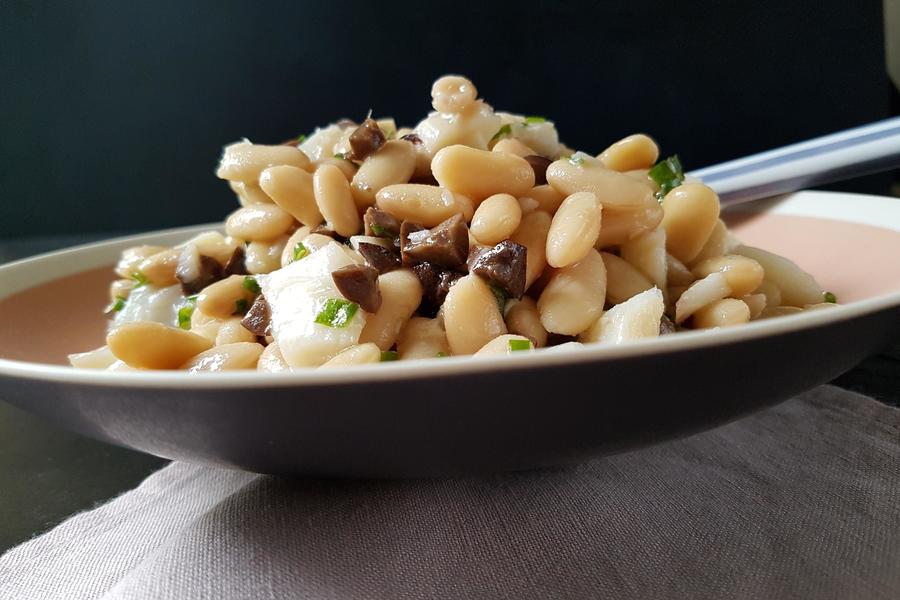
x: 474, y: 233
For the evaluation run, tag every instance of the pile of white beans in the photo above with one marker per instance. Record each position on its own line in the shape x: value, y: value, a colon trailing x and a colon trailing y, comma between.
x: 608, y: 259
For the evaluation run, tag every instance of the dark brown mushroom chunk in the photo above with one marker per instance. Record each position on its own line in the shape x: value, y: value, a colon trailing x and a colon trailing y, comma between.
x: 258, y: 319
x: 666, y: 326
x: 412, y: 138
x: 380, y: 223
x: 503, y: 265
x: 444, y: 245
x: 325, y: 230
x: 539, y: 165
x: 436, y: 283
x: 235, y: 264
x: 378, y: 257
x: 208, y: 270
x: 366, y: 140
x: 359, y: 283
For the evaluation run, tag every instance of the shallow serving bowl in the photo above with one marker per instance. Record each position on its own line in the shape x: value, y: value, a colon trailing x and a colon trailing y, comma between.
x: 452, y: 416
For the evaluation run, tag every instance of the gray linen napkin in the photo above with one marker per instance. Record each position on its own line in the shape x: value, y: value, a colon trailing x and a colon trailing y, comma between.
x: 799, y: 501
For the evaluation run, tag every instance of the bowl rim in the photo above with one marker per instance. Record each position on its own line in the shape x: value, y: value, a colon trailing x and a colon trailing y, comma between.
x: 455, y: 366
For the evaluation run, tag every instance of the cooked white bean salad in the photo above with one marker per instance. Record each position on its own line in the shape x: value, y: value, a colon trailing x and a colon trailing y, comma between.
x: 475, y: 233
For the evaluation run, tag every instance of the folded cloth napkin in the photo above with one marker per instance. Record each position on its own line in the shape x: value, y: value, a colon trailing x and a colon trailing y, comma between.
x: 799, y: 501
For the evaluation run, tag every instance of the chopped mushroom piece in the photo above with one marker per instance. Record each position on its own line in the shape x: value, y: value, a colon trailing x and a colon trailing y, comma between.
x: 435, y: 282
x: 539, y: 165
x: 235, y: 264
x: 413, y: 138
x: 381, y: 223
x: 666, y: 325
x: 258, y: 319
x: 359, y: 283
x: 503, y: 265
x: 445, y: 245
x: 378, y: 257
x: 207, y: 271
x: 367, y: 139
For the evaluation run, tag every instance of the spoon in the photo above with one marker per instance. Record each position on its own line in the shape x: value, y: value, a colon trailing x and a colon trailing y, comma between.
x: 850, y: 153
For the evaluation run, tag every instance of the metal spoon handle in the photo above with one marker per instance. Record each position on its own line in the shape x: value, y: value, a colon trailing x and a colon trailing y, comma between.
x: 850, y: 153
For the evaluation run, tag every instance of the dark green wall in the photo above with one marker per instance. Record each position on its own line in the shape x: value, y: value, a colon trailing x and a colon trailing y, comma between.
x: 112, y: 114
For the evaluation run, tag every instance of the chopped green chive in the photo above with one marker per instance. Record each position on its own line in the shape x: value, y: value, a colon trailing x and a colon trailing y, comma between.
x: 516, y: 345
x: 116, y: 305
x: 668, y: 174
x: 300, y: 138
x: 240, y: 306
x: 140, y: 278
x: 530, y: 120
x: 500, y: 295
x: 340, y: 155
x: 250, y: 284
x: 576, y: 159
x: 388, y: 356
x: 441, y: 355
x: 377, y: 229
x: 300, y: 251
x: 337, y: 312
x: 829, y: 297
x: 184, y: 315
x: 504, y: 131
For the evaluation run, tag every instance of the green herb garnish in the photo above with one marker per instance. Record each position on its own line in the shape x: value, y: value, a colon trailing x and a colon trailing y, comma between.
x: 337, y: 312
x: 577, y: 160
x: 300, y: 139
x: 668, y: 174
x: 377, y: 229
x: 184, y: 316
x: 340, y: 155
x: 504, y: 131
x: 251, y: 285
x: 116, y: 305
x: 240, y: 306
x: 829, y: 297
x: 300, y: 251
x: 388, y: 356
x: 441, y: 355
x: 530, y: 120
x: 140, y: 278
x: 516, y: 345
x: 500, y: 295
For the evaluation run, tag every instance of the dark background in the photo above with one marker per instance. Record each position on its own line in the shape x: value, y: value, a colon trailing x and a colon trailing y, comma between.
x: 112, y: 114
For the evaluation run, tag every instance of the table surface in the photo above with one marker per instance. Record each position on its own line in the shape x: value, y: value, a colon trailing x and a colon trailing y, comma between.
x: 47, y: 474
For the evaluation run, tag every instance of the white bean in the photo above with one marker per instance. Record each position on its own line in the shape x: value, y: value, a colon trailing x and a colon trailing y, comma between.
x: 471, y: 315
x: 496, y: 219
x: 227, y: 357
x: 575, y: 295
x: 622, y: 279
x: 574, y: 229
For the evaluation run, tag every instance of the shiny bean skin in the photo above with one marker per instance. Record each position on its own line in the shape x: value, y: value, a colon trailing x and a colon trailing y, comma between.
x: 220, y: 300
x: 647, y: 253
x: 205, y: 325
x: 249, y: 193
x: 259, y: 223
x: 227, y: 357
x: 532, y: 233
x: 427, y: 205
x: 147, y: 345
x: 271, y: 360
x: 452, y: 94
x: 523, y: 318
x: 513, y: 146
x: 743, y: 274
x: 771, y: 292
x: 574, y: 298
x: 231, y: 332
x: 496, y: 218
x: 422, y: 337
x: 159, y: 269
x: 291, y: 188
x: 721, y: 313
x: 527, y: 205
x: 478, y: 174
x: 715, y: 246
x: 574, y: 229
x: 214, y: 245
x: 620, y: 226
x: 99, y: 358
x: 287, y: 254
x: 756, y: 303
x: 615, y: 191
x: 132, y: 257
x: 501, y: 345
x: 623, y: 280
x: 633, y: 152
x: 690, y: 213
x: 121, y: 288
x: 471, y: 315
x: 393, y: 163
x: 335, y: 201
x: 361, y: 354
x: 244, y: 161
x: 676, y: 272
x: 548, y: 199
x: 348, y: 168
x: 704, y: 291
x: 264, y: 257
x: 401, y: 294
x: 798, y: 288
